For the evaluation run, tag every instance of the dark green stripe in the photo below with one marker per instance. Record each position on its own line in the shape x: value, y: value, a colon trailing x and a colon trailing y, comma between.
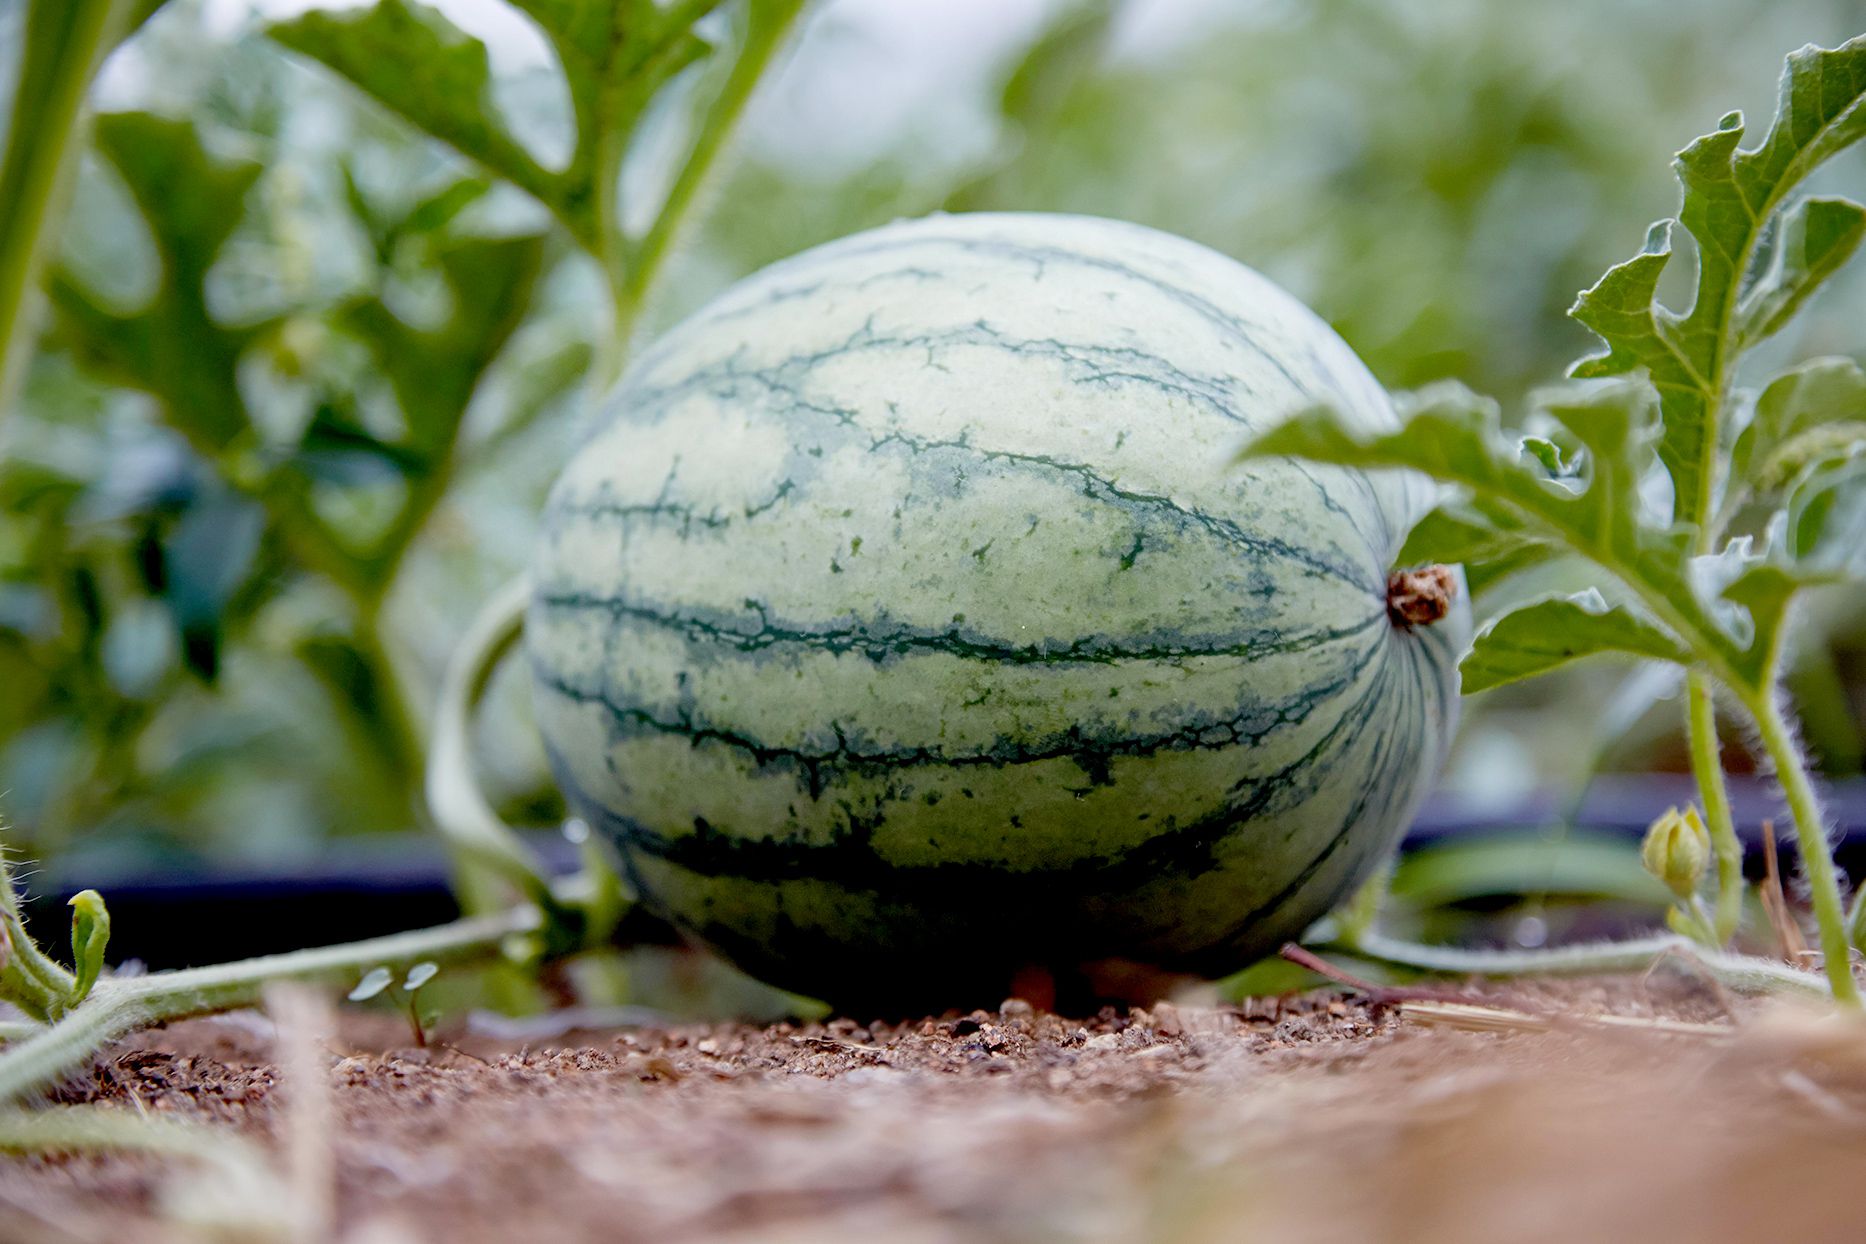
x: 1251, y: 723
x: 881, y: 639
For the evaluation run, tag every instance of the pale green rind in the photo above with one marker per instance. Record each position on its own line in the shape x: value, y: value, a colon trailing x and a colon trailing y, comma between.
x: 909, y: 586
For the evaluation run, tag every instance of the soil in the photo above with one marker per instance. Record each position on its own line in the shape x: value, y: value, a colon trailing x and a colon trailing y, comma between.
x: 1319, y: 1117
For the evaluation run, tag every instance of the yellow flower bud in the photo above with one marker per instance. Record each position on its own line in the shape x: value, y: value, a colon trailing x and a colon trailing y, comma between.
x: 1677, y: 850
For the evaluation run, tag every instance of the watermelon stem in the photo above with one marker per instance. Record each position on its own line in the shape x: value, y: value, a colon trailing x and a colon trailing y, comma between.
x: 1421, y: 596
x: 468, y: 822
x: 461, y: 812
x: 1746, y: 973
x: 634, y: 274
x: 247, y: 1191
x: 122, y: 1005
x: 63, y: 44
x: 1707, y: 769
x: 1817, y: 864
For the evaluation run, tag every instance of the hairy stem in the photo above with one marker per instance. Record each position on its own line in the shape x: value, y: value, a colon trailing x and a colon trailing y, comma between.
x: 29, y: 979
x: 1707, y: 768
x: 1743, y: 972
x: 116, y: 1007
x: 1791, y: 771
x: 65, y: 42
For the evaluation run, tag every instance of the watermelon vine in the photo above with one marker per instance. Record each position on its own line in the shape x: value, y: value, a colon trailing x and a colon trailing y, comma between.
x: 1765, y: 486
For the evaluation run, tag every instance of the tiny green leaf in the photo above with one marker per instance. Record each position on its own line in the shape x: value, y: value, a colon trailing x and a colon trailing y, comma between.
x: 1554, y: 631
x: 90, y: 936
x: 419, y: 975
x: 1550, y: 455
x: 374, y: 982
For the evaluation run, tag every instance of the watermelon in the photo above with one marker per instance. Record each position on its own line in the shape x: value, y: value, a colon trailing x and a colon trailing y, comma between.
x: 905, y: 623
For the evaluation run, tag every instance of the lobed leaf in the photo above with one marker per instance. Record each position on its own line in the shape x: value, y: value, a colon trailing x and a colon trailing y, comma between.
x: 1454, y: 436
x: 1490, y: 548
x: 1803, y: 415
x: 1731, y: 198
x: 419, y: 65
x: 615, y: 56
x: 1824, y: 519
x: 1817, y: 237
x: 172, y: 347
x: 1551, y: 632
x: 434, y: 371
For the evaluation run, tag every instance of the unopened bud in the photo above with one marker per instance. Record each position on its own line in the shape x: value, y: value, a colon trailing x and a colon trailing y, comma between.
x: 90, y: 937
x: 1677, y: 850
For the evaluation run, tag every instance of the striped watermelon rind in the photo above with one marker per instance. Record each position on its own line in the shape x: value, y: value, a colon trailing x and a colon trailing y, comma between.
x: 903, y: 621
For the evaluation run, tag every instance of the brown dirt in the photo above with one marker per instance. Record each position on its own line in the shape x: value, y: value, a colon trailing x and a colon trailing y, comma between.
x: 1316, y: 1118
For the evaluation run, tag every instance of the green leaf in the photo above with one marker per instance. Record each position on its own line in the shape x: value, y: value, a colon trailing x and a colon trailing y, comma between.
x: 1454, y: 436
x: 1554, y: 631
x: 434, y: 371
x: 1817, y: 236
x: 1805, y: 414
x: 207, y: 558
x: 419, y: 975
x: 1731, y: 197
x: 1509, y: 862
x: 1489, y: 548
x: 421, y: 66
x: 616, y: 55
x: 172, y: 348
x: 1036, y: 95
x: 1824, y: 519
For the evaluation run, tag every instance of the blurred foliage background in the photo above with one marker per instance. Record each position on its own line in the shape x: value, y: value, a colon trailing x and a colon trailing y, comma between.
x: 307, y: 374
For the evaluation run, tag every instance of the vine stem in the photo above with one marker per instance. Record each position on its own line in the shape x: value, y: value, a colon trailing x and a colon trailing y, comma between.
x: 1811, y: 837
x: 456, y: 803
x: 1707, y: 768
x: 29, y: 978
x: 65, y: 42
x: 1742, y: 972
x: 768, y: 23
x: 117, y: 1007
x: 239, y: 1172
